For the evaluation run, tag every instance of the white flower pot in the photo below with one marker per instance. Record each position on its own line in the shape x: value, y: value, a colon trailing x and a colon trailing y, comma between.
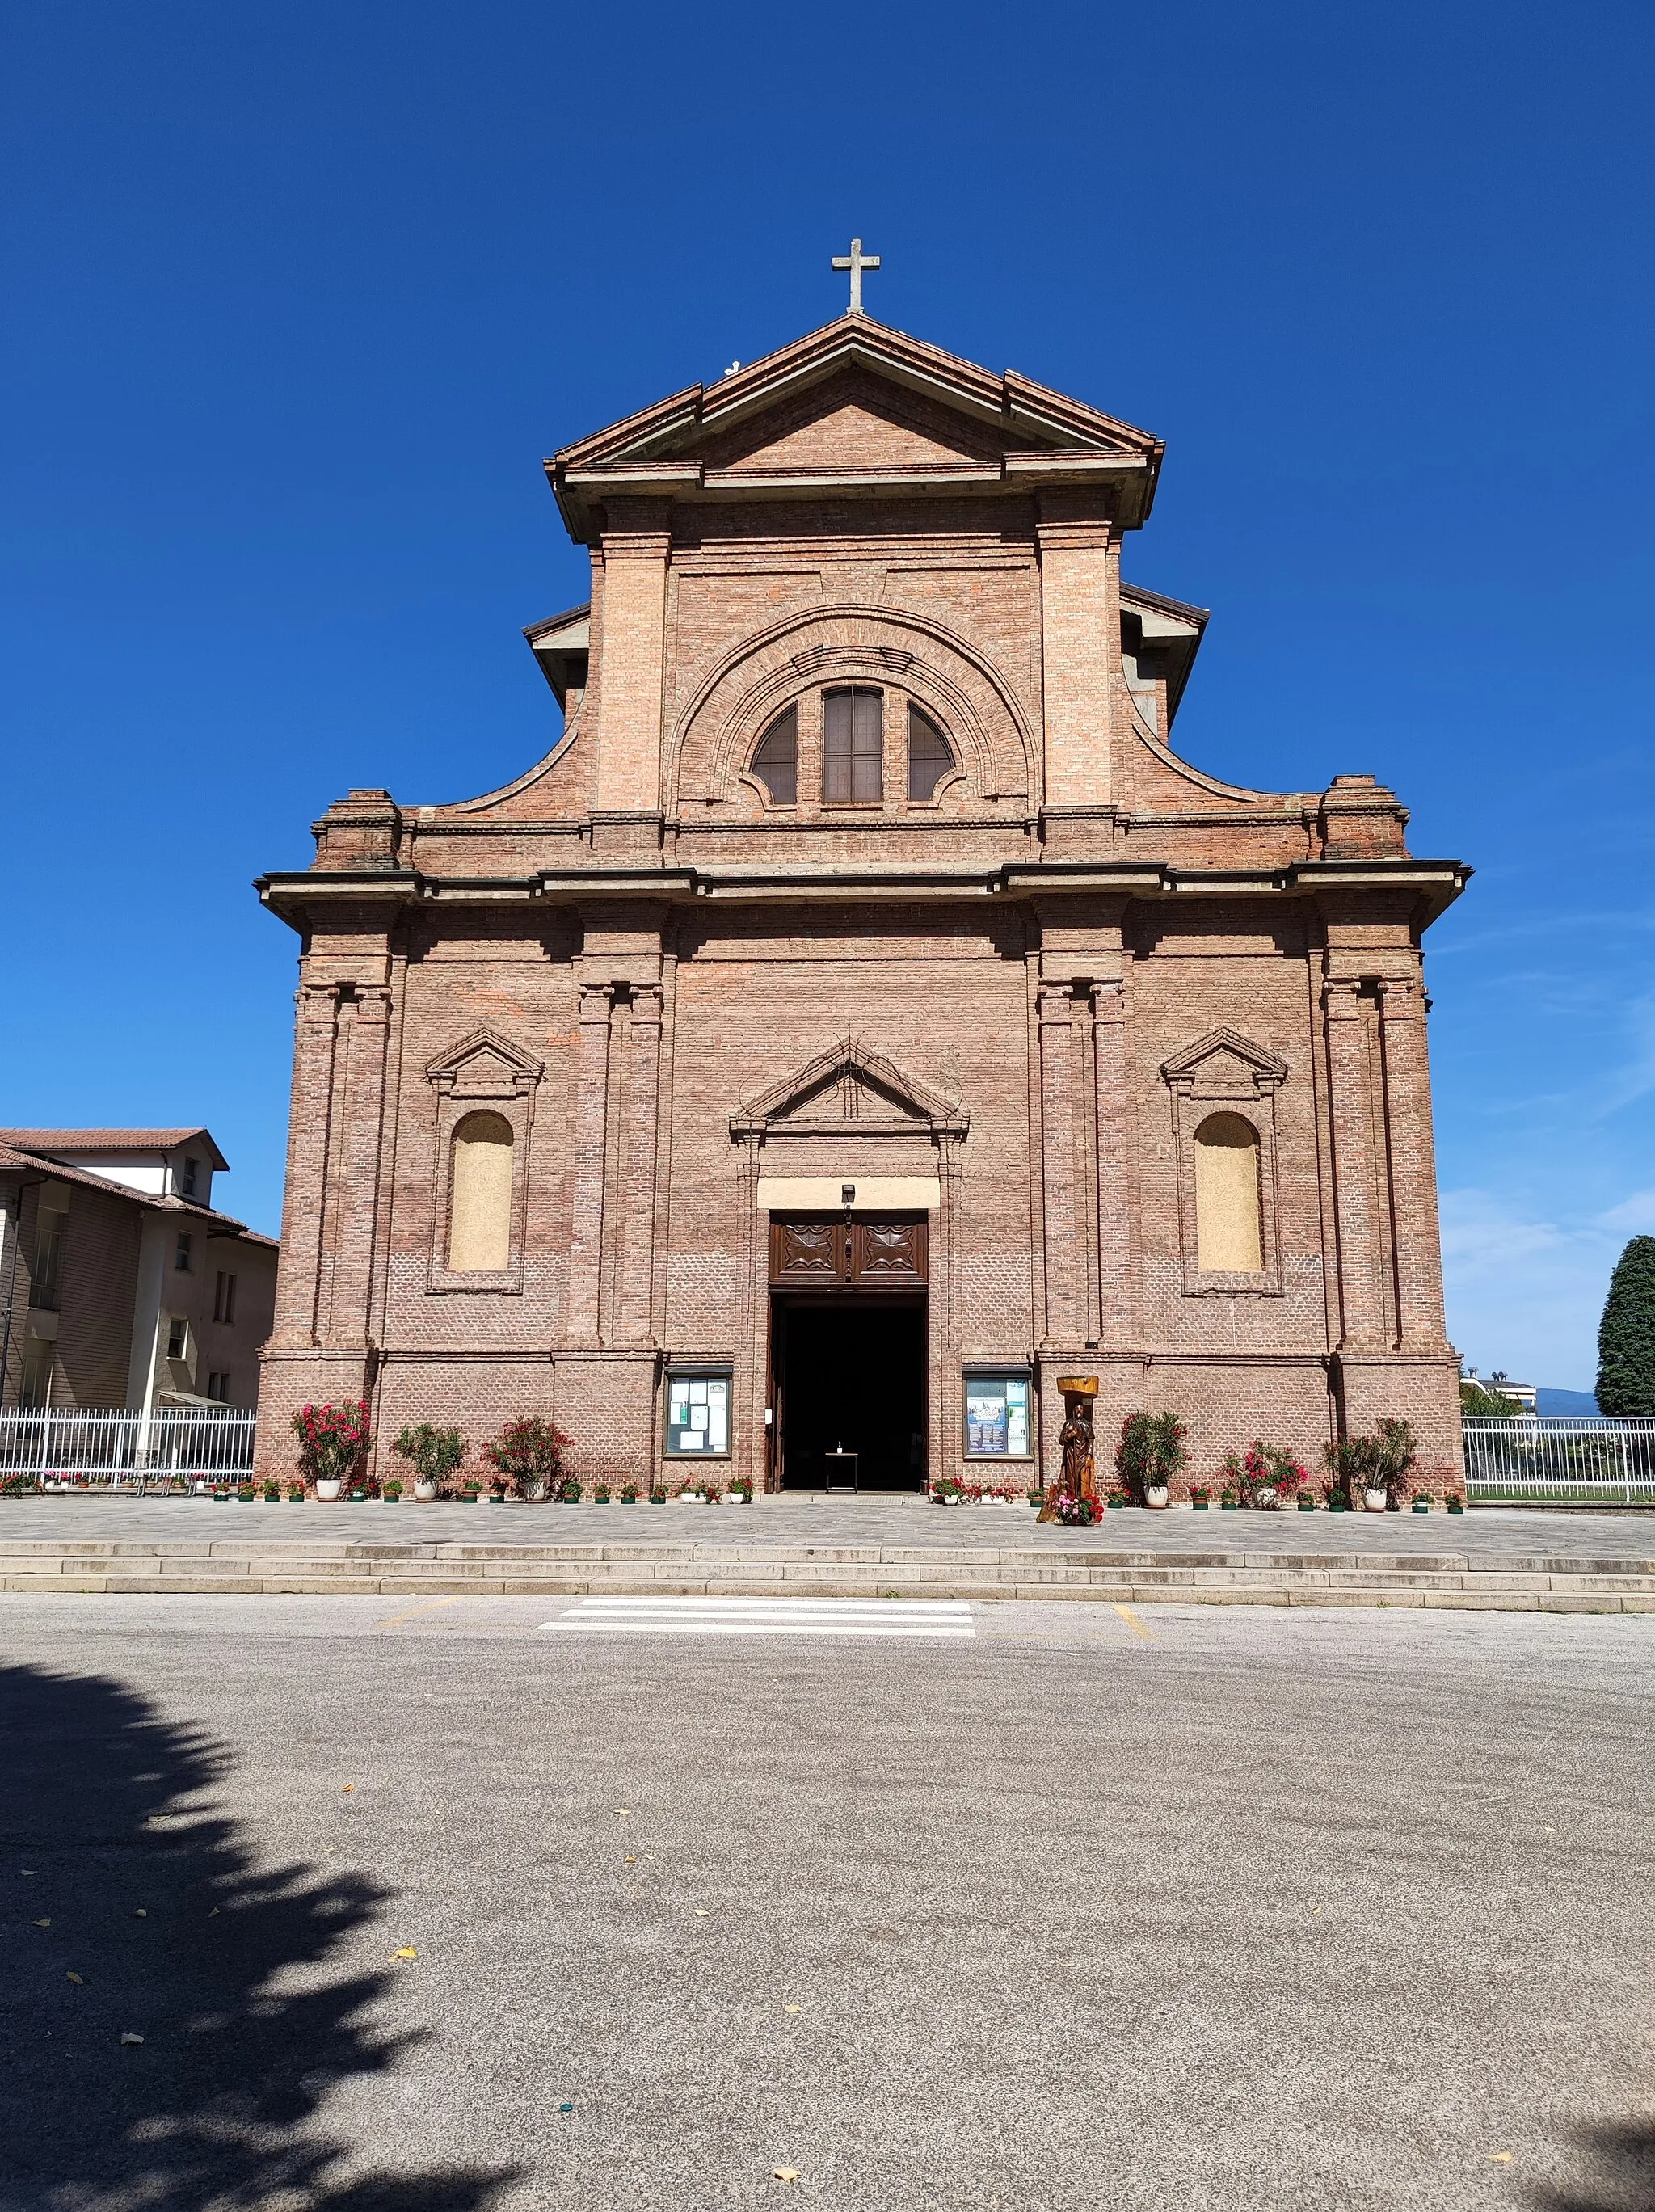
x: 1265, y: 1497
x: 328, y: 1488
x: 1376, y: 1501
x: 424, y: 1492
x: 1156, y: 1494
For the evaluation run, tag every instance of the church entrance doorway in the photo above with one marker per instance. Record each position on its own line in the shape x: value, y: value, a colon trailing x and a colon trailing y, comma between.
x: 848, y: 1348
x: 849, y: 1375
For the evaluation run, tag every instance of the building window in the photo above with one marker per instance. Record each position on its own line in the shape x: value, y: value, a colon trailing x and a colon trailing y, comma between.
x: 224, y: 1298
x: 776, y: 763
x: 46, y: 1276
x: 698, y: 1415
x: 187, y: 1179
x: 852, y: 746
x: 1228, y: 1227
x: 177, y: 1337
x: 182, y: 1263
x: 218, y: 1384
x: 929, y: 757
x: 480, y: 1206
x: 997, y: 1424
x: 34, y: 1385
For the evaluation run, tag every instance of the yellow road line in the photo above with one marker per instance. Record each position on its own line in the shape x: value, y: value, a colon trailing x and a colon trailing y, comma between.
x: 1135, y: 1623
x: 436, y: 1606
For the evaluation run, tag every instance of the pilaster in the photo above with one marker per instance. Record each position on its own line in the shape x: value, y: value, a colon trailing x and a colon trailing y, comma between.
x: 1080, y: 645
x: 637, y: 544
x: 1355, y: 1213
x: 641, y: 1111
x: 1055, y: 1013
x: 1411, y: 1157
x: 582, y: 1323
x: 1118, y: 1326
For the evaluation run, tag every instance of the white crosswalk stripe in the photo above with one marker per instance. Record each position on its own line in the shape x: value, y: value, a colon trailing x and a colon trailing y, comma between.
x: 930, y: 1617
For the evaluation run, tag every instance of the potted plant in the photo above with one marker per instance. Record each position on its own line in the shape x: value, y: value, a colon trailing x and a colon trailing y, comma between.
x: 529, y: 1452
x: 1268, y: 1474
x: 1422, y: 1501
x: 1305, y: 1502
x: 433, y: 1454
x: 1200, y: 1498
x: 1229, y: 1502
x: 740, y: 1491
x: 658, y: 1494
x: 333, y: 1441
x: 1397, y: 1449
x: 295, y: 1493
x: 1456, y: 1501
x: 245, y: 1493
x: 629, y: 1493
x: 568, y: 1492
x: 470, y: 1491
x: 1150, y: 1458
x: 272, y: 1493
x: 1075, y: 1512
x: 392, y: 1492
x: 600, y: 1493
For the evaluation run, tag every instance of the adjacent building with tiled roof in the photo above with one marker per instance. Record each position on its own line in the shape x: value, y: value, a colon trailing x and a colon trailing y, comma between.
x: 121, y: 1284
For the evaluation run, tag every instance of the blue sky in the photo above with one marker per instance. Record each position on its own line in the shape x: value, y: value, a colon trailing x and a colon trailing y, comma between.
x: 297, y: 299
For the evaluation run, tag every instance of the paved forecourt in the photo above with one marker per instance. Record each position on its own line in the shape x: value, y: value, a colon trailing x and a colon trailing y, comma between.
x: 887, y: 1551
x: 446, y: 1903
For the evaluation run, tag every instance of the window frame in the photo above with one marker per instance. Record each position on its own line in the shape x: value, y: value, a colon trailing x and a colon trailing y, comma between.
x: 1203, y: 1082
x: 852, y: 758
x: 687, y: 1372
x: 756, y: 774
x: 944, y: 775
x: 487, y: 1074
x: 183, y: 1254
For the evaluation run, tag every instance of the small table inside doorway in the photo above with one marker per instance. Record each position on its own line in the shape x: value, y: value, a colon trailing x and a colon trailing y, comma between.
x: 840, y: 1471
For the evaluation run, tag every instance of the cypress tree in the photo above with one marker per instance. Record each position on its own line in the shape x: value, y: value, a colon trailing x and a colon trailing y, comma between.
x: 1626, y: 1336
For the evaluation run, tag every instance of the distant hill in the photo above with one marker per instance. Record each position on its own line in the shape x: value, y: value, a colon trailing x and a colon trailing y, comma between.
x: 1580, y: 1403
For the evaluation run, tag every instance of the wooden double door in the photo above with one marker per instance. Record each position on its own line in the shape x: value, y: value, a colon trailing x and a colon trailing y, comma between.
x: 848, y: 1348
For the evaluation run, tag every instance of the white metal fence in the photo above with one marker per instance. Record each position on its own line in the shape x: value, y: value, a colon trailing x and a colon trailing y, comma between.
x: 1542, y: 1460
x: 172, y: 1444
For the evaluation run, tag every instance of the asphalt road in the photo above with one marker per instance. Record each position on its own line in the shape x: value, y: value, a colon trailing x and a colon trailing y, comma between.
x: 1070, y: 1907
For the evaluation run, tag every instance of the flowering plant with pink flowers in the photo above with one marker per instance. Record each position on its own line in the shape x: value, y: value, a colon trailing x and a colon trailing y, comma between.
x: 332, y: 1439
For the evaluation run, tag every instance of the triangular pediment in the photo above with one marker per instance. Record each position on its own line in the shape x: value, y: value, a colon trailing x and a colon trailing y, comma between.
x: 852, y: 396
x: 484, y: 1065
x: 849, y: 1087
x: 1225, y: 1062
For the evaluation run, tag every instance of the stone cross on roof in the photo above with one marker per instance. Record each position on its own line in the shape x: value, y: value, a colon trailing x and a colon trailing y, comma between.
x: 856, y: 261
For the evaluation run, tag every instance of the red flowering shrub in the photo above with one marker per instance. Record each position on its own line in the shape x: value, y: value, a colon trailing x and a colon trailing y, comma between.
x: 529, y: 1453
x: 332, y: 1439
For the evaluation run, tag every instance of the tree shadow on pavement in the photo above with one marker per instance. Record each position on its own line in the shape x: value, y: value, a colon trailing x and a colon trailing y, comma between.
x: 1617, y: 2173
x: 236, y: 1975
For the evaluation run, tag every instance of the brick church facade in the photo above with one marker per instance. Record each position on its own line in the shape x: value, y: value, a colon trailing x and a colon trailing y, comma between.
x: 864, y: 1015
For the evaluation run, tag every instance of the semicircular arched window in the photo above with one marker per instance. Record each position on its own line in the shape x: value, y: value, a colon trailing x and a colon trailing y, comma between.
x: 480, y: 1203
x: 776, y: 761
x: 930, y: 755
x: 1229, y: 1235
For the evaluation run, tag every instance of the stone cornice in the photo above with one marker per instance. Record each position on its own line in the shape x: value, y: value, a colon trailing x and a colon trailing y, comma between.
x: 1432, y: 885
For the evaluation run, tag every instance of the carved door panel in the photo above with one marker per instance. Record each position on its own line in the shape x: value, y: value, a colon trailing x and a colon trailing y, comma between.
x: 866, y: 1254
x: 888, y: 1252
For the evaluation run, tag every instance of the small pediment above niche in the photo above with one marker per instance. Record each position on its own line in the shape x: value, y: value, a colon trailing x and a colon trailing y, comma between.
x: 485, y: 1065
x: 849, y: 1088
x: 1224, y: 1064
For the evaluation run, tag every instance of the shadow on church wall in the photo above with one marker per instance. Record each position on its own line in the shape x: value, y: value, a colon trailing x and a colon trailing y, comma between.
x: 221, y: 2102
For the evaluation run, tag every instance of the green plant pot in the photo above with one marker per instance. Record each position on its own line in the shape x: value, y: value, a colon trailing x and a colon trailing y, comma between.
x: 295, y: 1497
x: 1456, y: 1508
x: 627, y: 1501
x: 1200, y: 1505
x: 1227, y: 1505
x: 1422, y: 1505
x: 471, y: 1497
x: 357, y: 1496
x: 1338, y: 1505
x: 1307, y: 1505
